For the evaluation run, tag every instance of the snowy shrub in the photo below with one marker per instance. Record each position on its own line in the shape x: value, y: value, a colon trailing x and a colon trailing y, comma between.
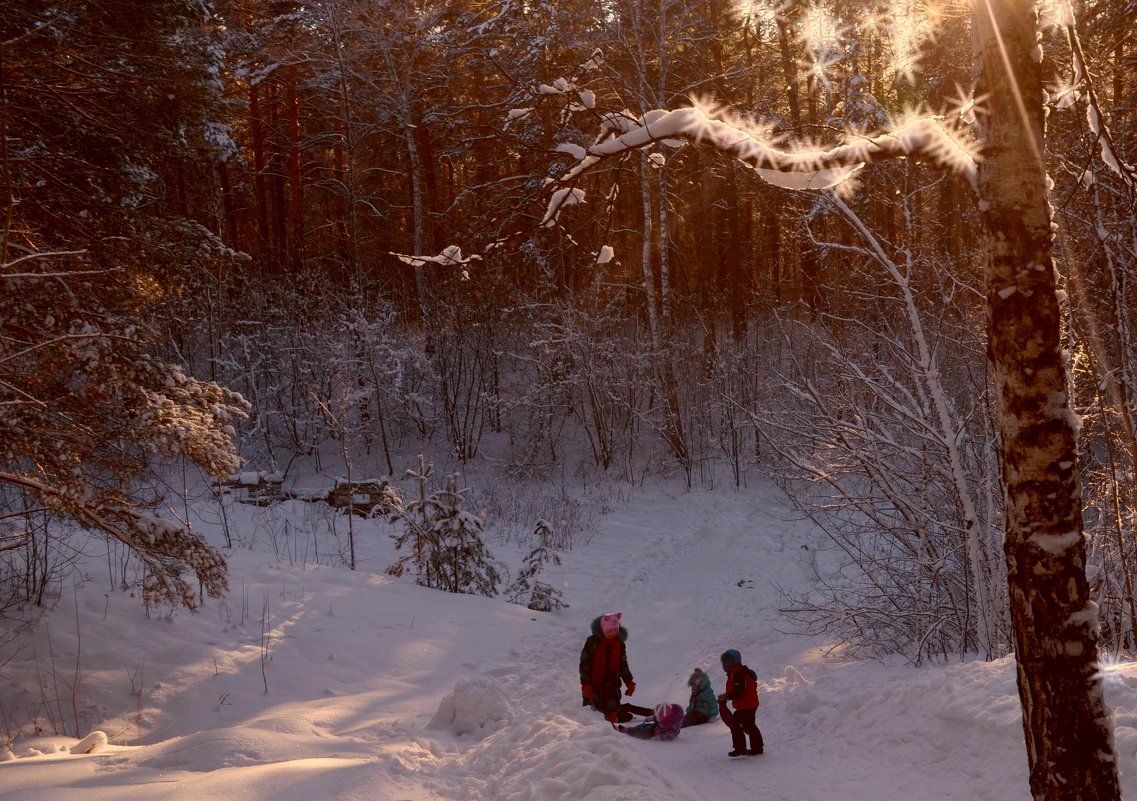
x: 887, y: 448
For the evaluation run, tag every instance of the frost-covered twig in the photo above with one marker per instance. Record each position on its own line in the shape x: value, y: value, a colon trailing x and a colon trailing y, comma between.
x: 1094, y: 118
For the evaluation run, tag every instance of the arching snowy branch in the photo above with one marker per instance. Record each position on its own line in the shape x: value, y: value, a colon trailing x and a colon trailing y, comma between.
x: 167, y: 548
x: 759, y: 147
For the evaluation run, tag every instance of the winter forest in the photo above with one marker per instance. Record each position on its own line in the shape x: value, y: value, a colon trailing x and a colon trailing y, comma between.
x: 484, y: 267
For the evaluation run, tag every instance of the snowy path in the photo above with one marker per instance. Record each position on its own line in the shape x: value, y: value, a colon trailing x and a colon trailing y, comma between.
x: 691, y: 586
x: 379, y: 690
x: 689, y: 589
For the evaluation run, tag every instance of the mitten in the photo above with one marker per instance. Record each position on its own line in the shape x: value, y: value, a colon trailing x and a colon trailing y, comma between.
x: 631, y: 687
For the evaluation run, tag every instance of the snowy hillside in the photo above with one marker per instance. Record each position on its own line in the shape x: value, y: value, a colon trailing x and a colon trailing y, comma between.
x: 379, y: 690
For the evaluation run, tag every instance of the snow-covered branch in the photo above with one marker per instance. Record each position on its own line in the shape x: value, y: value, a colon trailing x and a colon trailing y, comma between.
x: 759, y: 147
x: 166, y: 547
x: 47, y: 343
x: 28, y: 257
x: 451, y: 256
x: 1094, y: 118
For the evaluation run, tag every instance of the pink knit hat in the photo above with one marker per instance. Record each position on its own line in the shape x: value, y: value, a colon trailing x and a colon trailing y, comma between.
x: 610, y: 623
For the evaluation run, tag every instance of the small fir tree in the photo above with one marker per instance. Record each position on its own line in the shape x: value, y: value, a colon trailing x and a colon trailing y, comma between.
x: 446, y: 546
x: 541, y: 597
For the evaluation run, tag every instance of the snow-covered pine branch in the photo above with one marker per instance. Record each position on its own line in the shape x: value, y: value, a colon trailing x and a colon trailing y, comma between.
x: 165, y: 547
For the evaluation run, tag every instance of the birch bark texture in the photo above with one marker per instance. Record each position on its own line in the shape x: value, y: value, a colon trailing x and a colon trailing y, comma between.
x: 1069, y: 735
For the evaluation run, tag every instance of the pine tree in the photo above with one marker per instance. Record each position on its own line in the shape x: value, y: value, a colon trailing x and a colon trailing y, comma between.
x: 447, y: 549
x: 538, y: 595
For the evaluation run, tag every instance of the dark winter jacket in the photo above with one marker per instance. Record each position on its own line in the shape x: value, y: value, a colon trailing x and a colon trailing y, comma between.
x: 604, y: 666
x: 742, y: 687
x: 702, y: 695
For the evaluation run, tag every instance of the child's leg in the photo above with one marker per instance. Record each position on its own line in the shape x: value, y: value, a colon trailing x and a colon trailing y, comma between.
x: 608, y: 702
x: 737, y: 736
x: 694, y: 718
x: 642, y: 711
x: 644, y: 731
x: 747, y: 723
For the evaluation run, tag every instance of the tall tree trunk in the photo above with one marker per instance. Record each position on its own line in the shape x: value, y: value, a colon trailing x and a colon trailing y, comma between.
x: 229, y: 231
x: 260, y: 185
x: 1068, y: 732
x: 659, y: 318
x: 346, y: 155
x: 789, y: 65
x: 294, y: 254
x: 418, y: 204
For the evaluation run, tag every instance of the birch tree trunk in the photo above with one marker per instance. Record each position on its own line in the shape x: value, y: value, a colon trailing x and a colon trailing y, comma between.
x: 1068, y: 731
x: 659, y: 317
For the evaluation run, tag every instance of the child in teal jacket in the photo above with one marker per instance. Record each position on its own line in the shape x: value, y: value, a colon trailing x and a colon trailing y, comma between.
x: 703, y: 706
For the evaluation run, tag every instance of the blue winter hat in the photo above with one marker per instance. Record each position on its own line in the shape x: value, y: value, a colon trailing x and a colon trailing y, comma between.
x: 729, y: 658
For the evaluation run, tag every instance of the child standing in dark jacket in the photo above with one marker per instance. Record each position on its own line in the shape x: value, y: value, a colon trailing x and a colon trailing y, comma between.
x: 742, y: 693
x: 604, y: 665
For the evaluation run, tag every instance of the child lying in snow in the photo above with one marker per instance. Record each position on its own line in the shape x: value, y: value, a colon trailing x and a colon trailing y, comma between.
x: 664, y: 723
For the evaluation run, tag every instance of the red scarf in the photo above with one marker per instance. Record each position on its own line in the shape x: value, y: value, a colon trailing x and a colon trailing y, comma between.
x: 606, y: 660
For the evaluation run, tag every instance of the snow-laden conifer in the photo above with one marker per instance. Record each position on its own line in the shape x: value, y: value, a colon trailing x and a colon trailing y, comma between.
x: 447, y: 551
x: 526, y: 589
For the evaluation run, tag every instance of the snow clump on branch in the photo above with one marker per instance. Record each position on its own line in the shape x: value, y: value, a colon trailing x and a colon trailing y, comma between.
x: 450, y: 256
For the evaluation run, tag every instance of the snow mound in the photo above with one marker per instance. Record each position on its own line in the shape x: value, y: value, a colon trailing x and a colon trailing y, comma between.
x: 93, y: 743
x: 475, y: 705
x: 565, y: 758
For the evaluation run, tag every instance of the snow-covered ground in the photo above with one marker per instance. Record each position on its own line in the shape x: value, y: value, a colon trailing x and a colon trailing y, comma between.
x: 379, y: 690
